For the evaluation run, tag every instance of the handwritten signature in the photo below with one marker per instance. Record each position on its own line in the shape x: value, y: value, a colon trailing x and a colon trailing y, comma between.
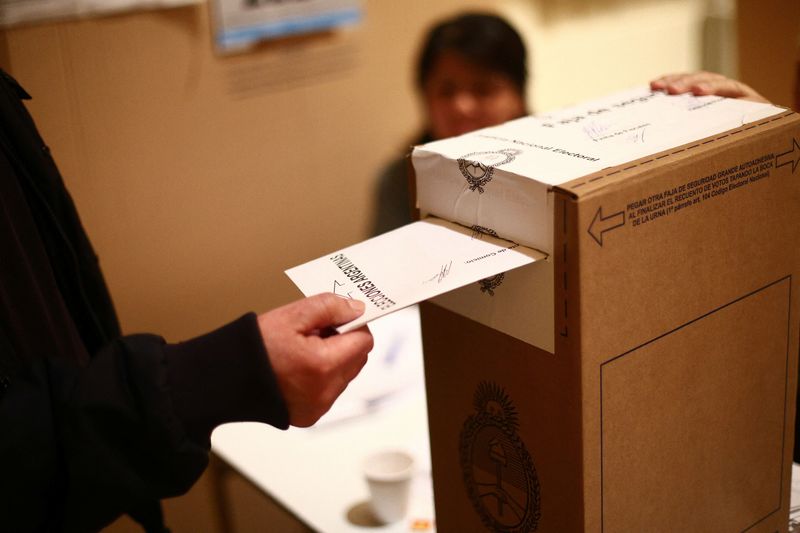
x: 443, y: 272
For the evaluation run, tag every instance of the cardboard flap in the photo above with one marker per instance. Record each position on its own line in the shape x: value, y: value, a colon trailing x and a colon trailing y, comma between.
x: 501, y: 177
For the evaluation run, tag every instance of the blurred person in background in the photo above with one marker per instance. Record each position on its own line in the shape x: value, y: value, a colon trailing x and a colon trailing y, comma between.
x: 471, y: 73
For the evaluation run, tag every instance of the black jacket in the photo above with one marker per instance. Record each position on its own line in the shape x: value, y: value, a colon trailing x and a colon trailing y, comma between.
x: 94, y: 424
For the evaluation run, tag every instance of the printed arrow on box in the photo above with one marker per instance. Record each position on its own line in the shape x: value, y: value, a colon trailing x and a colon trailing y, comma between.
x: 792, y: 156
x: 601, y: 224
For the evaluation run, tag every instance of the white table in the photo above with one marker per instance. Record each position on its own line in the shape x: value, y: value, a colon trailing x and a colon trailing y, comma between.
x: 316, y: 473
x: 794, y: 506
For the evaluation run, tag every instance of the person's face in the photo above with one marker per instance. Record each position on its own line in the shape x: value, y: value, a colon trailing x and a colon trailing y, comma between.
x: 461, y: 97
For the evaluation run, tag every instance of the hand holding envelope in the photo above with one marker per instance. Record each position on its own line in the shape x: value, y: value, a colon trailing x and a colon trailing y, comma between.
x: 312, y: 370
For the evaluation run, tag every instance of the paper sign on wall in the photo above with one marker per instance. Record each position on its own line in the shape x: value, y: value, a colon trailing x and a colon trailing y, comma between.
x: 240, y: 23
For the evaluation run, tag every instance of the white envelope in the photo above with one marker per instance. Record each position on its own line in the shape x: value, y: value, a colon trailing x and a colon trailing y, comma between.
x: 408, y: 265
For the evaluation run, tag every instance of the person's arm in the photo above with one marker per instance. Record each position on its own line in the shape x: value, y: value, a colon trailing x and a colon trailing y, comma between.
x: 705, y: 83
x: 138, y: 419
x: 94, y: 424
x: 284, y: 368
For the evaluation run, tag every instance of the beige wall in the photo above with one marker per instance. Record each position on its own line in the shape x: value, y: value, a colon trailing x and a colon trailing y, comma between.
x: 200, y: 178
x: 580, y: 50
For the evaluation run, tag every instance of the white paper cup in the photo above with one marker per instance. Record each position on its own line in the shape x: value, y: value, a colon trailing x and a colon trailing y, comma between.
x: 388, y: 475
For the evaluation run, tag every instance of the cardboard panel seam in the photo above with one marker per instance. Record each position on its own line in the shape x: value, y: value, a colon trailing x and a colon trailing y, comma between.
x: 612, y: 175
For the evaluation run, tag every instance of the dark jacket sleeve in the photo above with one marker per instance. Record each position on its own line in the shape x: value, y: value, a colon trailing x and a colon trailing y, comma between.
x: 392, y: 198
x: 93, y: 424
x: 138, y: 421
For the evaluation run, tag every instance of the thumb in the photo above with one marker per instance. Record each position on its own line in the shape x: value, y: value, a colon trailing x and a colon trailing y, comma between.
x: 325, y: 311
x: 349, y: 350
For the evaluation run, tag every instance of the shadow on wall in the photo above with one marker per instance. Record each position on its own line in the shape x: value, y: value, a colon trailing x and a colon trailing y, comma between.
x: 558, y: 11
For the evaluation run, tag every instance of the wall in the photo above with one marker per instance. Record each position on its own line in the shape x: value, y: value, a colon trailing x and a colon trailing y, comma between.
x: 201, y: 178
x: 581, y: 50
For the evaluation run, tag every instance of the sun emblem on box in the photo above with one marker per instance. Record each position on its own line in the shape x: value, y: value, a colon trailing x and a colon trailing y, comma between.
x: 498, y: 471
x: 477, y: 231
x: 478, y: 167
x: 488, y: 285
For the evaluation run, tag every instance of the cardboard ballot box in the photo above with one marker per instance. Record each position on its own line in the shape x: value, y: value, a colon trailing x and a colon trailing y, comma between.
x: 642, y: 378
x: 611, y: 317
